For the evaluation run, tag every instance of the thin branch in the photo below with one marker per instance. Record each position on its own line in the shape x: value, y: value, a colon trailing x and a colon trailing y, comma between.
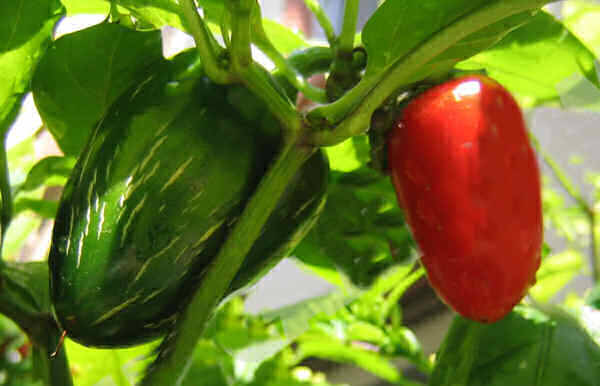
x: 203, y: 39
x: 322, y: 19
x: 346, y: 43
x: 246, y: 70
x: 294, y: 77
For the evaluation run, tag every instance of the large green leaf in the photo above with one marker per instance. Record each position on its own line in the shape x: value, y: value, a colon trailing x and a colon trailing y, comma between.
x: 541, y: 63
x: 26, y: 30
x: 528, y: 347
x: 398, y: 28
x: 85, y: 72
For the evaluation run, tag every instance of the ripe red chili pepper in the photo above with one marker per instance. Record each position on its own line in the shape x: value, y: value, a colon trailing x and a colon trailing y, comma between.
x: 467, y: 177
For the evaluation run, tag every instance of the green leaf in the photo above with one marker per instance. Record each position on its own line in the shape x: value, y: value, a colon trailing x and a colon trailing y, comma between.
x: 210, y: 364
x: 349, y: 155
x: 53, y: 170
x: 399, y: 27
x: 94, y: 367
x: 85, y: 72
x: 542, y: 63
x: 321, y: 346
x: 361, y: 230
x: 21, y: 158
x: 555, y: 272
x: 20, y: 228
x: 213, y: 9
x: 581, y: 17
x: 101, y: 7
x: 528, y: 347
x: 295, y: 319
x: 44, y: 208
x: 321, y: 266
x: 284, y: 39
x: 26, y: 28
x: 157, y: 13
x: 28, y: 285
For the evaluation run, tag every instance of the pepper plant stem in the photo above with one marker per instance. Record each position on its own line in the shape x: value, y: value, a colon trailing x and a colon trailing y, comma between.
x: 346, y: 40
x: 6, y: 193
x: 251, y: 74
x: 311, y: 92
x: 172, y: 363
x: 202, y: 37
x: 322, y: 19
x: 241, y: 54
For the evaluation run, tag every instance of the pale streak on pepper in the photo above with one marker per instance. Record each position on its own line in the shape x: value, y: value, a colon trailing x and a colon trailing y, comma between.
x: 70, y: 230
x: 91, y: 189
x: 208, y: 233
x: 80, y: 249
x: 141, y: 180
x: 177, y: 174
x: 108, y: 166
x: 115, y: 310
x: 147, y: 263
x: 131, y: 217
x: 101, y: 220
x: 155, y: 147
x: 152, y: 295
x: 152, y: 171
x: 197, y: 195
x: 88, y: 219
x: 181, y: 254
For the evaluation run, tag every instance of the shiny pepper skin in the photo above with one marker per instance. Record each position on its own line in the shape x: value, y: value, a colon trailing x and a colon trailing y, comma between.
x: 467, y: 177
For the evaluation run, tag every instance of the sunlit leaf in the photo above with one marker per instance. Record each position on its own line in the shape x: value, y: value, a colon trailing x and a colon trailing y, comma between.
x: 581, y: 17
x: 84, y: 73
x: 91, y: 367
x: 26, y: 28
x: 542, y: 63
